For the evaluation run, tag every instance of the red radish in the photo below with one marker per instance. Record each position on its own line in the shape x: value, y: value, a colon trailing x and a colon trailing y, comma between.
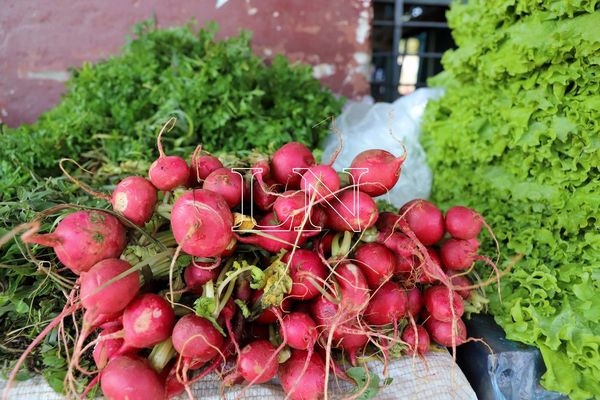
x: 168, y: 172
x: 387, y: 305
x: 350, y: 338
x: 201, y: 166
x: 131, y: 378
x: 463, y: 222
x: 417, y: 342
x: 440, y: 305
x: 268, y: 316
x: 398, y: 242
x: 376, y: 171
x: 135, y: 198
x: 323, y: 311
x: 196, y: 338
x: 376, y: 262
x: 270, y: 225
x: 353, y: 287
x: 263, y: 184
x: 387, y: 222
x: 300, y: 382
x: 229, y: 184
x: 202, y: 223
x: 197, y: 274
x: 443, y: 332
x: 84, y: 238
x: 261, y: 196
x: 352, y: 211
x: 105, y: 348
x: 425, y: 220
x: 257, y: 362
x: 316, y: 222
x: 457, y: 254
x: 290, y: 208
x: 431, y: 273
x: 115, y: 296
x: 300, y: 330
x: 404, y: 265
x: 320, y: 181
x: 459, y: 282
x: 285, y: 161
x: 415, y: 302
x: 306, y: 270
x: 148, y: 320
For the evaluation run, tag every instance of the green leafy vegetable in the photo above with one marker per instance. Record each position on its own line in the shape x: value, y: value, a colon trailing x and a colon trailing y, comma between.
x: 367, y: 383
x: 517, y: 137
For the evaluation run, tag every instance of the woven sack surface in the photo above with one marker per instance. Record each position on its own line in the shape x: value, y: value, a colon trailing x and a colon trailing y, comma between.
x: 435, y: 377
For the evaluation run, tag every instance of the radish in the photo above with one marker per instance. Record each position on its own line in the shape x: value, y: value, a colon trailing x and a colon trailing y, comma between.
x: 290, y: 208
x: 397, y: 242
x: 320, y: 181
x: 415, y: 302
x: 387, y: 222
x: 106, y: 348
x: 443, y: 332
x: 352, y: 211
x: 457, y: 254
x: 417, y: 339
x: 459, y: 282
x: 148, y: 320
x: 269, y: 316
x: 257, y: 362
x: 440, y: 301
x: 291, y: 157
x: 84, y: 238
x: 425, y: 220
x: 196, y: 338
x: 229, y: 184
x: 201, y: 166
x: 131, y: 378
x: 300, y: 330
x: 387, y: 305
x: 404, y: 265
x: 135, y: 198
x: 376, y: 171
x: 168, y: 172
x: 197, y: 274
x: 112, y: 298
x: 350, y: 338
x: 302, y: 381
x: 261, y: 195
x: 202, y: 223
x: 270, y: 225
x: 354, y: 288
x: 463, y: 223
x: 431, y: 273
x: 323, y: 311
x: 306, y: 270
x: 376, y: 262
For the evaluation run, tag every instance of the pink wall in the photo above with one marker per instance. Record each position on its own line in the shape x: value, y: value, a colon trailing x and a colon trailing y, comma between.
x: 40, y: 39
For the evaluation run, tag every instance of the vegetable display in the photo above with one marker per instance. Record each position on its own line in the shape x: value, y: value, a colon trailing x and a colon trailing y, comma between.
x: 223, y: 95
x: 516, y: 137
x: 322, y: 280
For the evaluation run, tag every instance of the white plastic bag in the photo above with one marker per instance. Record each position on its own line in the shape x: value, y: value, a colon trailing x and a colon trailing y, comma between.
x: 364, y: 126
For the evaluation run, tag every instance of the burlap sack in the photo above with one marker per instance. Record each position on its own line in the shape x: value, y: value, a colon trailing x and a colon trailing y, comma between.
x: 435, y: 377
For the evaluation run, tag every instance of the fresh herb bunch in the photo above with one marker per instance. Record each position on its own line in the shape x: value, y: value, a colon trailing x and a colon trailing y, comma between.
x: 225, y: 97
x: 516, y: 137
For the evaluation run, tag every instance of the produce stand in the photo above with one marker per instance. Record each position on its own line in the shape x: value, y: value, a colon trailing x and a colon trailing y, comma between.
x: 205, y: 213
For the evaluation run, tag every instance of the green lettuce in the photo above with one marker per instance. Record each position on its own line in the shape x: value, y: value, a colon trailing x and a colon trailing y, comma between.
x: 517, y: 136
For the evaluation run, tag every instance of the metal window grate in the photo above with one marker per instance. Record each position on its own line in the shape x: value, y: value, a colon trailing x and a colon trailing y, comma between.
x: 408, y: 39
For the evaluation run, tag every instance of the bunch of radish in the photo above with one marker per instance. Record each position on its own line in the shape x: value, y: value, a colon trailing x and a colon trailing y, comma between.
x: 280, y: 268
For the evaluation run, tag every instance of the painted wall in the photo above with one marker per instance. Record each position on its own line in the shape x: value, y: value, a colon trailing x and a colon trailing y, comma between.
x: 40, y: 39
